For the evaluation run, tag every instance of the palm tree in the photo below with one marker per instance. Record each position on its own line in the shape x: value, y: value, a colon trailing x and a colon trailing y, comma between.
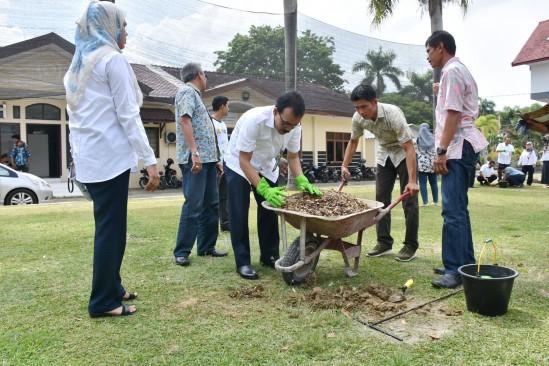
x: 377, y: 66
x: 488, y: 124
x: 382, y: 9
x: 420, y: 87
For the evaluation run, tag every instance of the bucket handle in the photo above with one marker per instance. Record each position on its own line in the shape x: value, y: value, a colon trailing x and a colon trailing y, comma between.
x: 486, y: 242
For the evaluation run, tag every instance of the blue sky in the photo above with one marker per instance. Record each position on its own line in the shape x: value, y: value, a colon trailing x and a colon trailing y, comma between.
x: 177, y: 31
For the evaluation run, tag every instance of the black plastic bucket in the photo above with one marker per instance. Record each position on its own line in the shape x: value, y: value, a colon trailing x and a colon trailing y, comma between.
x: 487, y: 296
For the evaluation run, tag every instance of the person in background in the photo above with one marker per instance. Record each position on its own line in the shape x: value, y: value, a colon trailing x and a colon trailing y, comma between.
x: 220, y: 107
x: 425, y: 157
x: 543, y: 129
x: 487, y: 173
x: 396, y: 156
x: 107, y: 140
x: 527, y: 161
x: 20, y: 154
x: 198, y: 158
x: 505, y: 152
x: 514, y: 177
x: 545, y: 161
x: 458, y: 144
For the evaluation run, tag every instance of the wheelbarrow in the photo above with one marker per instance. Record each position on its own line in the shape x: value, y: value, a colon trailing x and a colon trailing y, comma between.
x: 321, y: 232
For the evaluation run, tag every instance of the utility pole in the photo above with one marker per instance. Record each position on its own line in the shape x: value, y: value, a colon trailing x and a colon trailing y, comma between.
x: 435, y: 13
x: 290, y: 56
x: 290, y: 44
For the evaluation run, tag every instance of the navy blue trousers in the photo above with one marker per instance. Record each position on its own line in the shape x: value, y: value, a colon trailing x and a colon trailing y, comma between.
x: 238, y: 190
x: 457, y: 238
x: 110, y: 211
x: 199, y: 214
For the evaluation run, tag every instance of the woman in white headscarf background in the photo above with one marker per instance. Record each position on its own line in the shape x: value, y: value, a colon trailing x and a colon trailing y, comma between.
x: 107, y: 139
x: 425, y: 157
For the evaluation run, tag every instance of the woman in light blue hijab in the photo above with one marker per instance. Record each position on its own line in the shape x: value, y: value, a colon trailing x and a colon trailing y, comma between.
x: 425, y: 157
x: 107, y: 141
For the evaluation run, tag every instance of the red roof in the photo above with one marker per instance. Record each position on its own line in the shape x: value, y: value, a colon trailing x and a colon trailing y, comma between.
x: 536, y: 48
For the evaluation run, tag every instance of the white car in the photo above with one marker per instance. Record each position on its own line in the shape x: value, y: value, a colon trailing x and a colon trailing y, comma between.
x: 18, y: 188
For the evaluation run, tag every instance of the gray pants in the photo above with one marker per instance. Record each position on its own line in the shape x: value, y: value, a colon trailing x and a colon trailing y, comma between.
x: 385, y: 181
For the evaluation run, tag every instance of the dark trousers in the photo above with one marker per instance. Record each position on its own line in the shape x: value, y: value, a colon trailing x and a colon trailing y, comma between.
x: 432, y: 178
x: 500, y: 170
x: 110, y: 209
x: 457, y: 239
x: 22, y: 168
x: 486, y: 181
x: 223, y: 202
x: 199, y: 214
x: 385, y: 181
x: 238, y: 190
x: 516, y: 180
x: 528, y: 171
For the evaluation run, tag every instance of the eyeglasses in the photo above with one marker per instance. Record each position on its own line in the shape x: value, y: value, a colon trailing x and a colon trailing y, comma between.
x: 287, y: 123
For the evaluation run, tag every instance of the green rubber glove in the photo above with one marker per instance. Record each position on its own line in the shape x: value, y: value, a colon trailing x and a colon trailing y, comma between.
x: 274, y: 195
x: 302, y: 183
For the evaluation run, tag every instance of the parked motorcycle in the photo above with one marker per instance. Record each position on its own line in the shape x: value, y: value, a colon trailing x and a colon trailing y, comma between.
x: 144, y: 180
x: 326, y: 174
x: 169, y: 179
x: 310, y: 171
x: 367, y: 172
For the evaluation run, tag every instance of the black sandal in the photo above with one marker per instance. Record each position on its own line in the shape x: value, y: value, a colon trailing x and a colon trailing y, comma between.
x: 125, y: 312
x: 131, y: 296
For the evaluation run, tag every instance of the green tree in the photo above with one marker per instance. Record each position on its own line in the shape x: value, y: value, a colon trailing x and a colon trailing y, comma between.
x: 382, y: 9
x: 490, y: 127
x: 486, y: 106
x: 377, y: 66
x: 420, y: 87
x: 415, y: 111
x: 260, y: 53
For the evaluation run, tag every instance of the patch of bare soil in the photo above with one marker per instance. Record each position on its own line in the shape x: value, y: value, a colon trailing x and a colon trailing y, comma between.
x: 371, y: 303
x: 331, y: 203
x: 372, y: 298
x: 248, y: 292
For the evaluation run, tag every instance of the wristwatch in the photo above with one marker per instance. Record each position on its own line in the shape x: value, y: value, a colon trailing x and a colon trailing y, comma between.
x: 441, y: 151
x: 196, y: 154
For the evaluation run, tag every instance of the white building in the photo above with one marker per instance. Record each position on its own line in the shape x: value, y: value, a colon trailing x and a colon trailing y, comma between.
x: 535, y: 53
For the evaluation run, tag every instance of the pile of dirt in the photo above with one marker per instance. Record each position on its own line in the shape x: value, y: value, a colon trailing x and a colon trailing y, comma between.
x: 371, y: 303
x: 331, y: 203
x: 372, y: 298
x: 248, y: 292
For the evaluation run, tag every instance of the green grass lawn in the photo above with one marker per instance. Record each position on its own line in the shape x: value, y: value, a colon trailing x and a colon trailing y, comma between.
x: 186, y: 316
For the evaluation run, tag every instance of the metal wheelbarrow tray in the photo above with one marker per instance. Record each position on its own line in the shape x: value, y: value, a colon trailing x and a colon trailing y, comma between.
x: 322, y: 232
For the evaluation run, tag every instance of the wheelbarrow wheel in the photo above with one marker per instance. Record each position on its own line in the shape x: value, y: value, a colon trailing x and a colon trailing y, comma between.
x: 292, y: 256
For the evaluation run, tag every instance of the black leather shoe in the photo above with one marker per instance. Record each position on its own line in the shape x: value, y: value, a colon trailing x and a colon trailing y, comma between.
x: 214, y: 253
x: 270, y: 262
x: 447, y: 281
x: 182, y: 261
x: 247, y: 272
x: 439, y: 270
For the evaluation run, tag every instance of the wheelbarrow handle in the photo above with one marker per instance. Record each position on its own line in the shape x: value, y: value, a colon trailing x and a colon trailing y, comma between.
x: 384, y: 211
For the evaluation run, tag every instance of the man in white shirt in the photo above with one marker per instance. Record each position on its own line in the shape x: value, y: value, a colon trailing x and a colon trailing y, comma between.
x: 487, y: 173
x: 528, y: 160
x: 505, y: 151
x: 251, y: 163
x: 220, y: 107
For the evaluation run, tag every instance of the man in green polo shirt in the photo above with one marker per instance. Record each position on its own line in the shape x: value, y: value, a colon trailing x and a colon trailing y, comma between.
x: 395, y: 156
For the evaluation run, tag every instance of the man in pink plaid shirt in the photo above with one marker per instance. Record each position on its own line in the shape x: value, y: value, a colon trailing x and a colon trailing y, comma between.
x: 458, y: 143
